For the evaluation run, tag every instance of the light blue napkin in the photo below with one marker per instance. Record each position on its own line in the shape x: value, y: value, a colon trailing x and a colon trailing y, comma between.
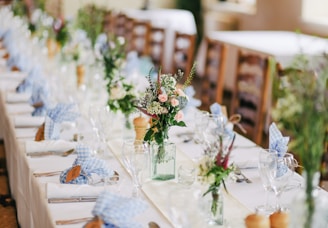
x: 40, y: 94
x: 118, y: 211
x: 192, y: 102
x: 278, y: 143
x: 216, y: 109
x: 92, y: 168
x: 55, y: 116
x: 26, y: 86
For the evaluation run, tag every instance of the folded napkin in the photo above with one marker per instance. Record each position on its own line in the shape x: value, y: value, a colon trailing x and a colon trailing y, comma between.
x: 192, y: 102
x: 216, y: 109
x: 27, y: 121
x: 57, y: 115
x: 54, y: 190
x: 279, y: 143
x: 48, y: 145
x: 92, y: 169
x: 17, y: 97
x: 40, y: 98
x: 118, y: 211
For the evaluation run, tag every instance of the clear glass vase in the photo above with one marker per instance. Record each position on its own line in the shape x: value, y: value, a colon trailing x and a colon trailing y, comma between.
x: 308, y: 211
x: 215, y: 208
x: 163, y: 157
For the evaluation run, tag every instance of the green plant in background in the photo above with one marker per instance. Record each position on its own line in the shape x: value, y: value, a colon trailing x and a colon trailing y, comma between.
x: 195, y: 7
x: 90, y: 18
x: 121, y: 94
x: 302, y: 110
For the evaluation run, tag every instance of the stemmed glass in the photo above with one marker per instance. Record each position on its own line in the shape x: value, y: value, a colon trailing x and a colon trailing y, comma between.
x: 280, y: 176
x: 267, y: 161
x: 214, y: 134
x: 135, y: 158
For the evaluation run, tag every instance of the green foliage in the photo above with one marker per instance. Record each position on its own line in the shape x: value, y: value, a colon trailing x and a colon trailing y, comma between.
x: 90, y: 18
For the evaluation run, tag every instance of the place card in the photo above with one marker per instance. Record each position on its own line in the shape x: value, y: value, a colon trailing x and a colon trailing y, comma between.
x: 40, y: 133
x: 73, y: 173
x: 96, y: 222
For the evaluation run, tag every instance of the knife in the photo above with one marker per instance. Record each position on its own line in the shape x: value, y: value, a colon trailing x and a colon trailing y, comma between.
x: 79, y: 199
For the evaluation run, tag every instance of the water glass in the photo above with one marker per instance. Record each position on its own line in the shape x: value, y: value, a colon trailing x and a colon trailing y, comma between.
x: 186, y: 174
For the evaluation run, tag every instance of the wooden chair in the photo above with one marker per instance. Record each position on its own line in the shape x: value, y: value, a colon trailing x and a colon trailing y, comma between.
x: 140, y: 37
x: 214, y: 69
x: 183, y: 53
x: 119, y: 24
x: 250, y: 94
x: 156, y: 46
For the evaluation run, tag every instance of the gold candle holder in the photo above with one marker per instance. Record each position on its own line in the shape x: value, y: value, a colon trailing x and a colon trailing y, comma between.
x: 80, y: 73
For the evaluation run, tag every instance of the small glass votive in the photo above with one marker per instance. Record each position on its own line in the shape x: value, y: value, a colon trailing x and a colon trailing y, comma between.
x: 186, y: 174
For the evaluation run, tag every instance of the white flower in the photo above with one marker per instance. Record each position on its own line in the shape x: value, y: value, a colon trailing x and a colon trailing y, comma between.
x: 117, y: 92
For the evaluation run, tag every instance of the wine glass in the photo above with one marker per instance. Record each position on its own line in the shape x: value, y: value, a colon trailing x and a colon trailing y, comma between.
x: 279, y: 177
x: 135, y: 158
x: 201, y: 121
x: 267, y: 161
x: 214, y: 134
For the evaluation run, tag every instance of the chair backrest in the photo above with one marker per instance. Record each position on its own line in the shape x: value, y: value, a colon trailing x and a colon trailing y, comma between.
x: 250, y: 94
x: 214, y: 70
x: 108, y: 23
x: 156, y: 46
x: 141, y: 37
x: 183, y: 53
x: 119, y: 24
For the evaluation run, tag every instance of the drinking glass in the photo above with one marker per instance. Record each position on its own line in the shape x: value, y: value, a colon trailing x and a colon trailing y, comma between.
x: 280, y: 176
x: 267, y: 161
x: 135, y: 158
x: 201, y: 122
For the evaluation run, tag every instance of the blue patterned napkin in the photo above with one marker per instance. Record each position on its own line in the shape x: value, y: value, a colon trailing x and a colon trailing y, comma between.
x: 192, y: 102
x: 92, y: 168
x: 216, y: 109
x: 278, y: 143
x: 40, y: 94
x: 62, y: 112
x: 118, y: 211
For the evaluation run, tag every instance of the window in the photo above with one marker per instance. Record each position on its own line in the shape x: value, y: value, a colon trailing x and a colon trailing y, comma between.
x: 315, y: 11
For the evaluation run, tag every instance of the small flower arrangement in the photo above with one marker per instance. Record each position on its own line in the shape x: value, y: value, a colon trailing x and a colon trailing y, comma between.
x: 121, y: 93
x: 215, y: 171
x: 61, y: 31
x: 163, y: 102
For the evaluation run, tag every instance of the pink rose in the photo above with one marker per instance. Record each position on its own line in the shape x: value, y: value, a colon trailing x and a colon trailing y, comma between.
x: 174, y: 102
x: 162, y: 97
x: 179, y: 116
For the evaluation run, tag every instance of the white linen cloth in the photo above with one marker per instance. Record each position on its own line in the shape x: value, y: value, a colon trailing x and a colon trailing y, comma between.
x: 27, y: 121
x: 19, y: 108
x: 54, y: 190
x: 17, y: 97
x: 48, y: 145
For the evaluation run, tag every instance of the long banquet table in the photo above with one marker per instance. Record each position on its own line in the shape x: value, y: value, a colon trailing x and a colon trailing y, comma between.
x: 33, y: 209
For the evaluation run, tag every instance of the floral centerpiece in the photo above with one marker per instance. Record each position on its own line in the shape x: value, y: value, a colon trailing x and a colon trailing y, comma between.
x: 163, y: 102
x: 301, y: 110
x: 215, y: 171
x: 121, y: 93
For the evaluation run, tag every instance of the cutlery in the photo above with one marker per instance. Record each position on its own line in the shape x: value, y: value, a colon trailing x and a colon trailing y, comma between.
x: 79, y: 199
x: 73, y: 221
x: 47, y: 153
x: 237, y: 171
x: 47, y: 174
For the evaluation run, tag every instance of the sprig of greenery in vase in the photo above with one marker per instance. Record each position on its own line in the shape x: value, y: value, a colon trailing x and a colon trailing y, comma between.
x: 121, y: 94
x: 163, y: 101
x: 301, y: 109
x: 215, y: 171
